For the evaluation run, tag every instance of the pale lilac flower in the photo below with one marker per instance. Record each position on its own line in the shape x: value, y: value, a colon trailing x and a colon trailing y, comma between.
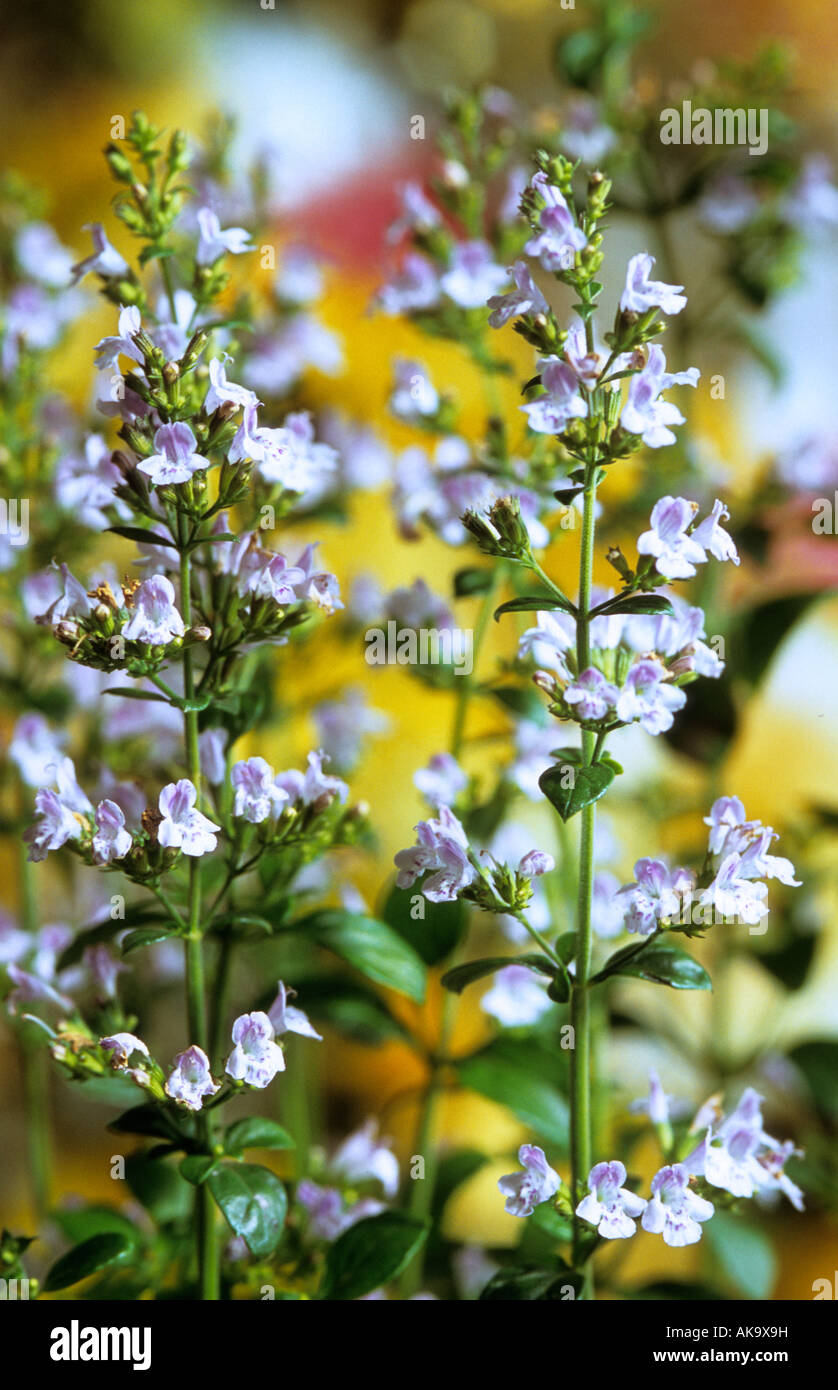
x: 223, y: 392
x: 72, y: 601
x: 550, y: 413
x: 536, y: 1184
x: 42, y: 256
x: 812, y: 202
x: 277, y: 359
x: 548, y: 642
x: 363, y: 456
x: 414, y: 396
x: 365, y: 1156
x: 418, y: 213
x: 526, y: 298
x: 676, y: 553
x: 328, y: 1214
x: 344, y: 724
x: 110, y: 840
x: 50, y: 942
x: 442, y: 780
x: 183, y: 827
x: 586, y: 364
x: 104, y: 970
x: 30, y: 989
x: 191, y: 1079
x: 415, y: 287
x: 56, y: 825
x: 290, y: 456
x: 727, y: 813
x: 641, y: 293
x: 172, y: 335
x: 609, y: 1206
x: 317, y: 586
x: 35, y: 749
x: 712, y: 537
x: 256, y: 1057
x: 313, y: 785
x: 212, y: 744
x: 656, y: 1104
x: 175, y: 459
x: 675, y: 1211
x: 728, y: 204
x: 85, y: 482
x: 441, y: 846
x: 645, y: 412
x: 109, y: 350
x: 14, y: 943
x: 299, y: 278
x: 593, y: 695
x: 516, y: 998
x: 256, y: 794
x: 213, y: 242
x: 105, y: 261
x: 755, y: 862
x: 534, y: 863
x: 154, y: 617
x: 739, y: 1157
x: 287, y: 1018
x: 121, y: 1046
x: 473, y: 276
x: 732, y: 895
x: 559, y: 237
x: 584, y: 135
x: 647, y: 697
x: 128, y: 796
x: 655, y: 896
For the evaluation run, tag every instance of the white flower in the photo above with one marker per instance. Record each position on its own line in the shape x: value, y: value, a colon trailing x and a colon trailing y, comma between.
x: 536, y: 1184
x: 609, y: 1206
x: 256, y: 1057
x: 183, y: 827
x: 516, y: 999
x: 111, y: 840
x: 286, y: 1018
x: 675, y: 1211
x: 154, y: 617
x: 190, y: 1079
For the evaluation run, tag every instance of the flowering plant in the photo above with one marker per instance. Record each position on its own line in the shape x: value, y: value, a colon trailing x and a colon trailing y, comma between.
x: 235, y: 894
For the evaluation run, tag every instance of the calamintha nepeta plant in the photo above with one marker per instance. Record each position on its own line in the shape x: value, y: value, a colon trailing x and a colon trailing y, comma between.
x: 604, y: 660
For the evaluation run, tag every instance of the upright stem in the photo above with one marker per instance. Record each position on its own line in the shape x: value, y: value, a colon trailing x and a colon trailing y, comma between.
x: 196, y: 991
x: 34, y: 1069
x: 580, y: 1057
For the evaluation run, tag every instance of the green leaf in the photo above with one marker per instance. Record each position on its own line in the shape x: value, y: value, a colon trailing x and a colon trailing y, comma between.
x: 532, y: 1098
x: 137, y: 533
x: 472, y: 580
x: 818, y: 1061
x: 88, y: 1258
x: 146, y: 936
x: 463, y: 975
x: 371, y: 946
x: 637, y: 603
x: 104, y: 931
x: 196, y: 1168
x: 256, y: 1132
x: 570, y: 788
x: 352, y: 1009
x: 144, y: 1119
x: 84, y: 1222
x: 254, y: 1203
x: 433, y: 936
x: 371, y: 1253
x: 523, y: 701
x: 534, y: 603
x: 532, y: 1286
x: 159, y: 1188
x: 744, y: 1253
x: 136, y: 694
x: 661, y: 962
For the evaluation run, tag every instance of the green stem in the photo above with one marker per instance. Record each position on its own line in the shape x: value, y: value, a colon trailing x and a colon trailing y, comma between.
x: 580, y: 1058
x: 34, y: 1064
x: 196, y: 991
